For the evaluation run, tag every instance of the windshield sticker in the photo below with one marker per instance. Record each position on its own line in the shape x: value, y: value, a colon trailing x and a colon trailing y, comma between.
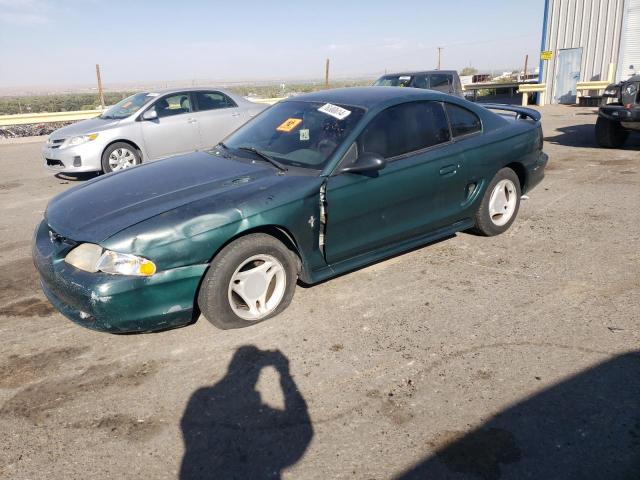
x: 127, y: 105
x: 335, y: 111
x: 152, y: 94
x: 404, y: 78
x: 289, y: 124
x: 304, y: 134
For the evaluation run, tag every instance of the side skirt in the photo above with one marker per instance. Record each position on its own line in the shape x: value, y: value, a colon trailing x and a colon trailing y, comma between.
x: 373, y: 256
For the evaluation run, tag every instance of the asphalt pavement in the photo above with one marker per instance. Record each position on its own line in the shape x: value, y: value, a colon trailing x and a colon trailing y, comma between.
x: 509, y: 357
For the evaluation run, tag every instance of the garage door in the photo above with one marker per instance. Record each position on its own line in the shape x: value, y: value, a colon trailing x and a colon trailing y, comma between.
x: 630, y: 47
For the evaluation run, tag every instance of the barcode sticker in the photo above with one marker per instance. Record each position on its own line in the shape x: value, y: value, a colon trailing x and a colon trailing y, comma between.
x: 335, y: 111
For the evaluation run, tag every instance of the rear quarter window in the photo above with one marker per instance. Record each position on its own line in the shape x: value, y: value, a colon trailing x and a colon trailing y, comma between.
x: 463, y: 121
x: 213, y: 101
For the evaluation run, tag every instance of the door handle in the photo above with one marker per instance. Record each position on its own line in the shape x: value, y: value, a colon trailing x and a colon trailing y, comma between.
x: 449, y: 170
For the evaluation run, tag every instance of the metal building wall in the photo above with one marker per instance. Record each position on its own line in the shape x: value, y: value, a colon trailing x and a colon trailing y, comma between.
x: 594, y: 25
x: 630, y: 41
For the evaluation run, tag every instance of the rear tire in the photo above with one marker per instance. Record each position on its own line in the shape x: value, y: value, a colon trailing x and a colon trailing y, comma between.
x: 500, y: 204
x: 251, y: 280
x: 119, y: 156
x: 610, y: 134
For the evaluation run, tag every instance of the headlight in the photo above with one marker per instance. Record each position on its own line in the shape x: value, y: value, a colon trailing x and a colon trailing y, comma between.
x: 79, y: 140
x: 612, y: 92
x: 125, y: 264
x: 85, y: 257
x: 93, y: 258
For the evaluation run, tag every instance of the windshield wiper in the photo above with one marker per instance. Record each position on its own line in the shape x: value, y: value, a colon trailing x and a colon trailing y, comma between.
x: 264, y: 156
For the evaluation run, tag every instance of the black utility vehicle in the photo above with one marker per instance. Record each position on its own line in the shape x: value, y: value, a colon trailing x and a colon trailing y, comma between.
x: 619, y: 118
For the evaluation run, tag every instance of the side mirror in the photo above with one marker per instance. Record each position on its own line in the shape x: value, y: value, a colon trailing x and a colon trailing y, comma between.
x: 150, y: 114
x: 369, y: 162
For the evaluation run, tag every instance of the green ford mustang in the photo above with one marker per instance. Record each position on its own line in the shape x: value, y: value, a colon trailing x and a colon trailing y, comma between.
x: 314, y: 186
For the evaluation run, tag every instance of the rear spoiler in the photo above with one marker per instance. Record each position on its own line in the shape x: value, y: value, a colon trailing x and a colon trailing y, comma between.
x: 521, y: 112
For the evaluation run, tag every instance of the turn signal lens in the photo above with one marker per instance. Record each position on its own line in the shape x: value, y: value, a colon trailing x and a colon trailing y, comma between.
x: 147, y: 268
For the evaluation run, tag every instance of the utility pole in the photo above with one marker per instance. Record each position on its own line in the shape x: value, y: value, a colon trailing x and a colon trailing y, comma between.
x: 440, y: 57
x: 526, y: 65
x: 326, y: 74
x: 100, y: 92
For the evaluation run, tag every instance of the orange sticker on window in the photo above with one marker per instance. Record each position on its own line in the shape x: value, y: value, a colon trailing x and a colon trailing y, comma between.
x: 289, y: 124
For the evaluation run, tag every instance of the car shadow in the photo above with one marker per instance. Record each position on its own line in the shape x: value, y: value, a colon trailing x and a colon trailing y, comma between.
x: 587, y: 426
x: 77, y: 177
x: 585, y: 136
x: 230, y: 433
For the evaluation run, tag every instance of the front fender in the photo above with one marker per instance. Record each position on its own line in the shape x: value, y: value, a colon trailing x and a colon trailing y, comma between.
x: 193, y: 234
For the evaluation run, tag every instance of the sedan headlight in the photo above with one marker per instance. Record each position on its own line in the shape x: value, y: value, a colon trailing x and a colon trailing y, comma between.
x: 93, y: 258
x: 125, y: 264
x: 79, y: 140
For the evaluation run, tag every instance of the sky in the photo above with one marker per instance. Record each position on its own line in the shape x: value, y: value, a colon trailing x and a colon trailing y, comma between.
x: 58, y: 42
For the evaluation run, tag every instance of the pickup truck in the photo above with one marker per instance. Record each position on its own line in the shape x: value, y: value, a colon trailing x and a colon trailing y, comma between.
x: 445, y: 81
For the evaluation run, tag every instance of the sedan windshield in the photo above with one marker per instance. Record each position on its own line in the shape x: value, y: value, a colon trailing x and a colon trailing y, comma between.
x: 297, y: 133
x: 128, y: 106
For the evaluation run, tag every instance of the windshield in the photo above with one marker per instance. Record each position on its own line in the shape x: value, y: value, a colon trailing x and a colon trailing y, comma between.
x: 393, y: 81
x: 297, y: 133
x: 128, y: 106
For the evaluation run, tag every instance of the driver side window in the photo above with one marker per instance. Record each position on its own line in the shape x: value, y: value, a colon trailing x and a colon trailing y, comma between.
x: 405, y: 128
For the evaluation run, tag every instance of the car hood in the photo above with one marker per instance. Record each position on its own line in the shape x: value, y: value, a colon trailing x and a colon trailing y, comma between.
x: 84, y: 127
x: 100, y: 208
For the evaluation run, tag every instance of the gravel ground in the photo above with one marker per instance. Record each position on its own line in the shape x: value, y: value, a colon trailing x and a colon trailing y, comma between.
x: 508, y: 357
x: 31, y: 130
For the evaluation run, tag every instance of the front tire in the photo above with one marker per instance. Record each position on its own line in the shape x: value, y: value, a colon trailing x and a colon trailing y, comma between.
x: 500, y: 204
x: 250, y: 280
x: 119, y: 156
x: 610, y: 134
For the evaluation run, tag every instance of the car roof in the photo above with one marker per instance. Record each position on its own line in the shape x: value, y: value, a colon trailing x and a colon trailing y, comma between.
x: 368, y: 97
x: 163, y: 91
x: 420, y: 72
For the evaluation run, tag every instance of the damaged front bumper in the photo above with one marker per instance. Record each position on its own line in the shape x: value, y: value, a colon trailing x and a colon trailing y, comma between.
x: 114, y: 303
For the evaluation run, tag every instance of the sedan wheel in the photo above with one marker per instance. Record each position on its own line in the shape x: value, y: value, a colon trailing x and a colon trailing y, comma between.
x: 257, y: 287
x: 499, y: 205
x: 250, y: 280
x: 119, y: 156
x: 502, y: 202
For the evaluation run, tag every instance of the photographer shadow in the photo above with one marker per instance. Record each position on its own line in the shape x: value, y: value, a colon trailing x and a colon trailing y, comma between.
x: 230, y: 433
